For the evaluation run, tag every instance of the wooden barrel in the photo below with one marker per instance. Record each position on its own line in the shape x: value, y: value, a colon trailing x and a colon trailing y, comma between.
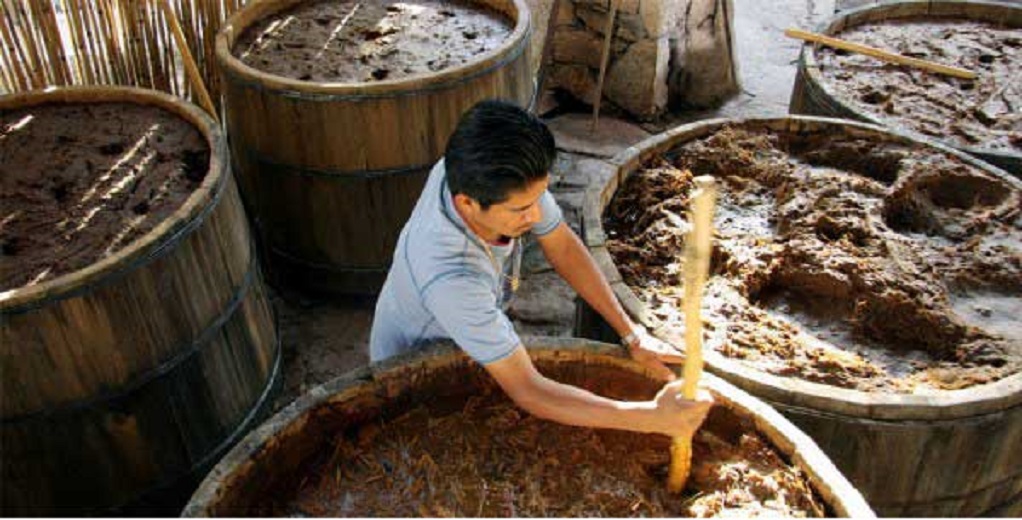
x: 814, y: 95
x: 953, y: 453
x: 125, y: 380
x: 330, y: 172
x: 270, y: 461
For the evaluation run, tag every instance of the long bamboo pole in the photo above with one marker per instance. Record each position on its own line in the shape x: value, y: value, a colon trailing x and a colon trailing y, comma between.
x: 82, y: 57
x: 697, y: 268
x: 6, y: 64
x: 12, y: 50
x: 34, y: 63
x: 93, y: 44
x: 139, y: 74
x: 879, y: 54
x: 186, y: 56
x: 53, y: 43
x: 167, y: 57
x: 117, y: 38
x: 99, y: 31
x: 150, y: 24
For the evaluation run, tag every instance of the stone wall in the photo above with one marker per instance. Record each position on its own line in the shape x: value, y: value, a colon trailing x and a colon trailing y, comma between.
x: 645, y: 35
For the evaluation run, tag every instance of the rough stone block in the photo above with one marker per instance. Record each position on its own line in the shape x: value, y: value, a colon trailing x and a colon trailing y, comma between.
x: 593, y: 19
x: 627, y: 26
x: 578, y: 80
x: 637, y: 81
x: 630, y: 27
x: 577, y: 46
x: 703, y: 71
x: 565, y: 13
x: 603, y: 5
x: 628, y: 6
x: 655, y: 16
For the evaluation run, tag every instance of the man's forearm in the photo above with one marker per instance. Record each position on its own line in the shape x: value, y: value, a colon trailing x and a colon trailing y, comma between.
x: 573, y: 262
x: 562, y: 403
x: 571, y: 405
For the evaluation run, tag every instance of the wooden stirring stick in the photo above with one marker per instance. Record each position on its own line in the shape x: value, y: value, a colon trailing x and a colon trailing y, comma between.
x: 879, y: 54
x: 697, y: 267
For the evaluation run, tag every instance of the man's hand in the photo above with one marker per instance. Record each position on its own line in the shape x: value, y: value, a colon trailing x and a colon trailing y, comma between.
x: 680, y: 417
x: 653, y: 354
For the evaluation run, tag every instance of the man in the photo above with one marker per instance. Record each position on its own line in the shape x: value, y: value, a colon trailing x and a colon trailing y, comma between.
x: 457, y: 263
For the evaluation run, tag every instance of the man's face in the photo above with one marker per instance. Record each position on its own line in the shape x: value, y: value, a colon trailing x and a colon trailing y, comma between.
x: 513, y: 217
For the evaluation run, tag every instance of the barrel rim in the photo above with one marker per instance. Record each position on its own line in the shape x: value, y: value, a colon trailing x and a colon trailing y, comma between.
x: 141, y: 249
x: 973, y: 401
x: 835, y: 489
x: 811, y: 69
x: 255, y: 11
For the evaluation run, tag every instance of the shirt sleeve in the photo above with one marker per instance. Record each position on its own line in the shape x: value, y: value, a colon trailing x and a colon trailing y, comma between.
x: 466, y: 308
x: 552, y: 215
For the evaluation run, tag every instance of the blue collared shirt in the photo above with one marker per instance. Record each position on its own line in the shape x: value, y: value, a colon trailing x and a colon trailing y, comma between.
x: 443, y: 285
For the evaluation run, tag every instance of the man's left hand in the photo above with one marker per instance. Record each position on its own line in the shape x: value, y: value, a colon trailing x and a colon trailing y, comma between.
x: 654, y: 354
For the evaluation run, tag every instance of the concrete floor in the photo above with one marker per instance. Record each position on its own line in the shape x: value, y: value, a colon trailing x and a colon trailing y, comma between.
x: 323, y: 339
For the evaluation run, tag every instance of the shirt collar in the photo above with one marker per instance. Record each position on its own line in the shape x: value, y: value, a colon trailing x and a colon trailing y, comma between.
x: 447, y: 207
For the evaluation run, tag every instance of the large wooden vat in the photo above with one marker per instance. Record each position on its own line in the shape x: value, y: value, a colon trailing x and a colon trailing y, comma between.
x: 814, y: 95
x: 124, y: 381
x: 954, y: 453
x: 271, y: 458
x: 330, y: 171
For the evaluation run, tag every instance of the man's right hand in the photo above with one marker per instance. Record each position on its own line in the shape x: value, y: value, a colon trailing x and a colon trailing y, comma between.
x: 680, y: 417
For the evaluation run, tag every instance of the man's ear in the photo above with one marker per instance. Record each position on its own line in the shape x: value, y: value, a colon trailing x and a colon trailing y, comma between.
x: 466, y: 203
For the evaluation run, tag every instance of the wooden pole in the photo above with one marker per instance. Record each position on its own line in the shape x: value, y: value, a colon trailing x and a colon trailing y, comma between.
x: 34, y: 61
x: 879, y: 54
x: 46, y: 24
x: 697, y: 268
x: 82, y: 59
x: 139, y: 74
x: 608, y: 36
x: 13, y: 51
x: 114, y: 57
x: 187, y: 19
x: 94, y: 43
x: 9, y: 83
x: 167, y: 58
x: 158, y: 48
x: 214, y: 18
x: 186, y: 56
x: 548, y: 45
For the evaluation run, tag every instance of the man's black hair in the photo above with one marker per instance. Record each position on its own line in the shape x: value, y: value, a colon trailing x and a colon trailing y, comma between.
x: 497, y: 149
